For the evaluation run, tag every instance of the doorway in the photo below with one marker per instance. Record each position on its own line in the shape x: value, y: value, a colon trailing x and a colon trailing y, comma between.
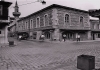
x: 47, y: 35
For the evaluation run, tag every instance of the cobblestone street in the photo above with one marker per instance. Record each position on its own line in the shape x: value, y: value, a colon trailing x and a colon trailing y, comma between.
x: 29, y: 55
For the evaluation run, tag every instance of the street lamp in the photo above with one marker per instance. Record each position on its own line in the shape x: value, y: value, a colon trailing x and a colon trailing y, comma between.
x: 43, y: 2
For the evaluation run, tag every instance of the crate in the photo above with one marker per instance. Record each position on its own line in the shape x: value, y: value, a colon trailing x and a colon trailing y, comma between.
x: 86, y: 62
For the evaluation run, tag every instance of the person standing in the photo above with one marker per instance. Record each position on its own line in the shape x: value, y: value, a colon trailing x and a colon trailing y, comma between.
x: 42, y: 37
x: 20, y: 37
x: 78, y: 37
x: 64, y: 37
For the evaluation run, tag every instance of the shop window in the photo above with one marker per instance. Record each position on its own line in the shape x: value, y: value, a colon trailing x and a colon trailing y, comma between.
x: 34, y: 35
x: 47, y: 35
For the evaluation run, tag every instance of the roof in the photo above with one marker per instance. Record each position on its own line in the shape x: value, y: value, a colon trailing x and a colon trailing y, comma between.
x: 94, y: 21
x: 5, y: 3
x: 53, y: 6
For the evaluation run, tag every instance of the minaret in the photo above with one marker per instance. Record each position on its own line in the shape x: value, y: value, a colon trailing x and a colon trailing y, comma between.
x: 16, y: 13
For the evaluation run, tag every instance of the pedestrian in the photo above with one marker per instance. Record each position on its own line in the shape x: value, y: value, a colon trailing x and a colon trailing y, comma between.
x: 42, y: 37
x: 64, y: 37
x: 78, y: 37
x: 20, y: 37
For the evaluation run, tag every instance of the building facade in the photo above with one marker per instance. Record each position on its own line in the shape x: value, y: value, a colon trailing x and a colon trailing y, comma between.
x: 4, y: 21
x: 54, y: 21
x: 95, y: 29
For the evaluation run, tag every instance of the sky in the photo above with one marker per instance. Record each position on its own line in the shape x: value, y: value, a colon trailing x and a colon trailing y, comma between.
x: 33, y: 7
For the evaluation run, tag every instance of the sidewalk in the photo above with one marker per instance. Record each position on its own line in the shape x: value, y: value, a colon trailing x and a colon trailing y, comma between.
x: 67, y: 41
x: 56, y: 57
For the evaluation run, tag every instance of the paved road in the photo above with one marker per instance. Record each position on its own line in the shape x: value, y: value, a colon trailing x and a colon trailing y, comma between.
x: 30, y: 55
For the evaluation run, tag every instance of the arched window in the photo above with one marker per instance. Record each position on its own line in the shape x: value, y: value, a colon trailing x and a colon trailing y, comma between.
x: 31, y: 24
x: 26, y: 26
x: 46, y: 20
x: 66, y: 18
x: 81, y: 19
x: 38, y: 22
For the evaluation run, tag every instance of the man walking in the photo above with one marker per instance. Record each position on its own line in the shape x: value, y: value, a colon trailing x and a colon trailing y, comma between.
x: 64, y: 37
x: 20, y: 37
x: 78, y: 37
x: 42, y: 37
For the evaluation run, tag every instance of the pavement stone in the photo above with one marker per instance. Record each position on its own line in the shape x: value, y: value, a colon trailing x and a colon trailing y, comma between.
x: 30, y: 55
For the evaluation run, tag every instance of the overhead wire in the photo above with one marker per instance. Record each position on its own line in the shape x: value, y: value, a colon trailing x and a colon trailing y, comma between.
x: 25, y: 4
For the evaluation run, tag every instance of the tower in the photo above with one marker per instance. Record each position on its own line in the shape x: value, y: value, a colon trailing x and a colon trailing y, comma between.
x: 16, y: 13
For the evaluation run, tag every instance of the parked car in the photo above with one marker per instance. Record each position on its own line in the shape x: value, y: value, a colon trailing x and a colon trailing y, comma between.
x: 24, y: 35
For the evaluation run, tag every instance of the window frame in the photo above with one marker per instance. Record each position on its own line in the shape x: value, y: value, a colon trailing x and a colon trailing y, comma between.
x: 81, y: 21
x: 48, y: 20
x: 68, y: 18
x: 26, y: 25
x: 36, y: 22
x: 31, y: 23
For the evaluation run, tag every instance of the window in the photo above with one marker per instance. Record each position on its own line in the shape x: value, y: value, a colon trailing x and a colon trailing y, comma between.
x: 38, y: 22
x: 66, y: 18
x: 94, y: 26
x: 97, y: 26
x: 46, y: 20
x: 34, y: 24
x: 81, y: 19
x: 26, y: 25
x: 0, y: 32
x: 98, y: 35
x: 47, y: 35
x: 31, y: 24
x: 1, y: 10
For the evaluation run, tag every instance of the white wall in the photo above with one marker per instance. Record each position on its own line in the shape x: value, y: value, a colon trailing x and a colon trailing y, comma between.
x: 3, y: 35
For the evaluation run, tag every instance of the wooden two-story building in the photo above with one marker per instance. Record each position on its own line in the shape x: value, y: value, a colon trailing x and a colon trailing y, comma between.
x: 54, y: 21
x: 4, y: 21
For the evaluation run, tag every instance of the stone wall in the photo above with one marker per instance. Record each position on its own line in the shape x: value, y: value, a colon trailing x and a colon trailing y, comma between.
x: 95, y: 24
x: 33, y: 17
x: 74, y: 19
